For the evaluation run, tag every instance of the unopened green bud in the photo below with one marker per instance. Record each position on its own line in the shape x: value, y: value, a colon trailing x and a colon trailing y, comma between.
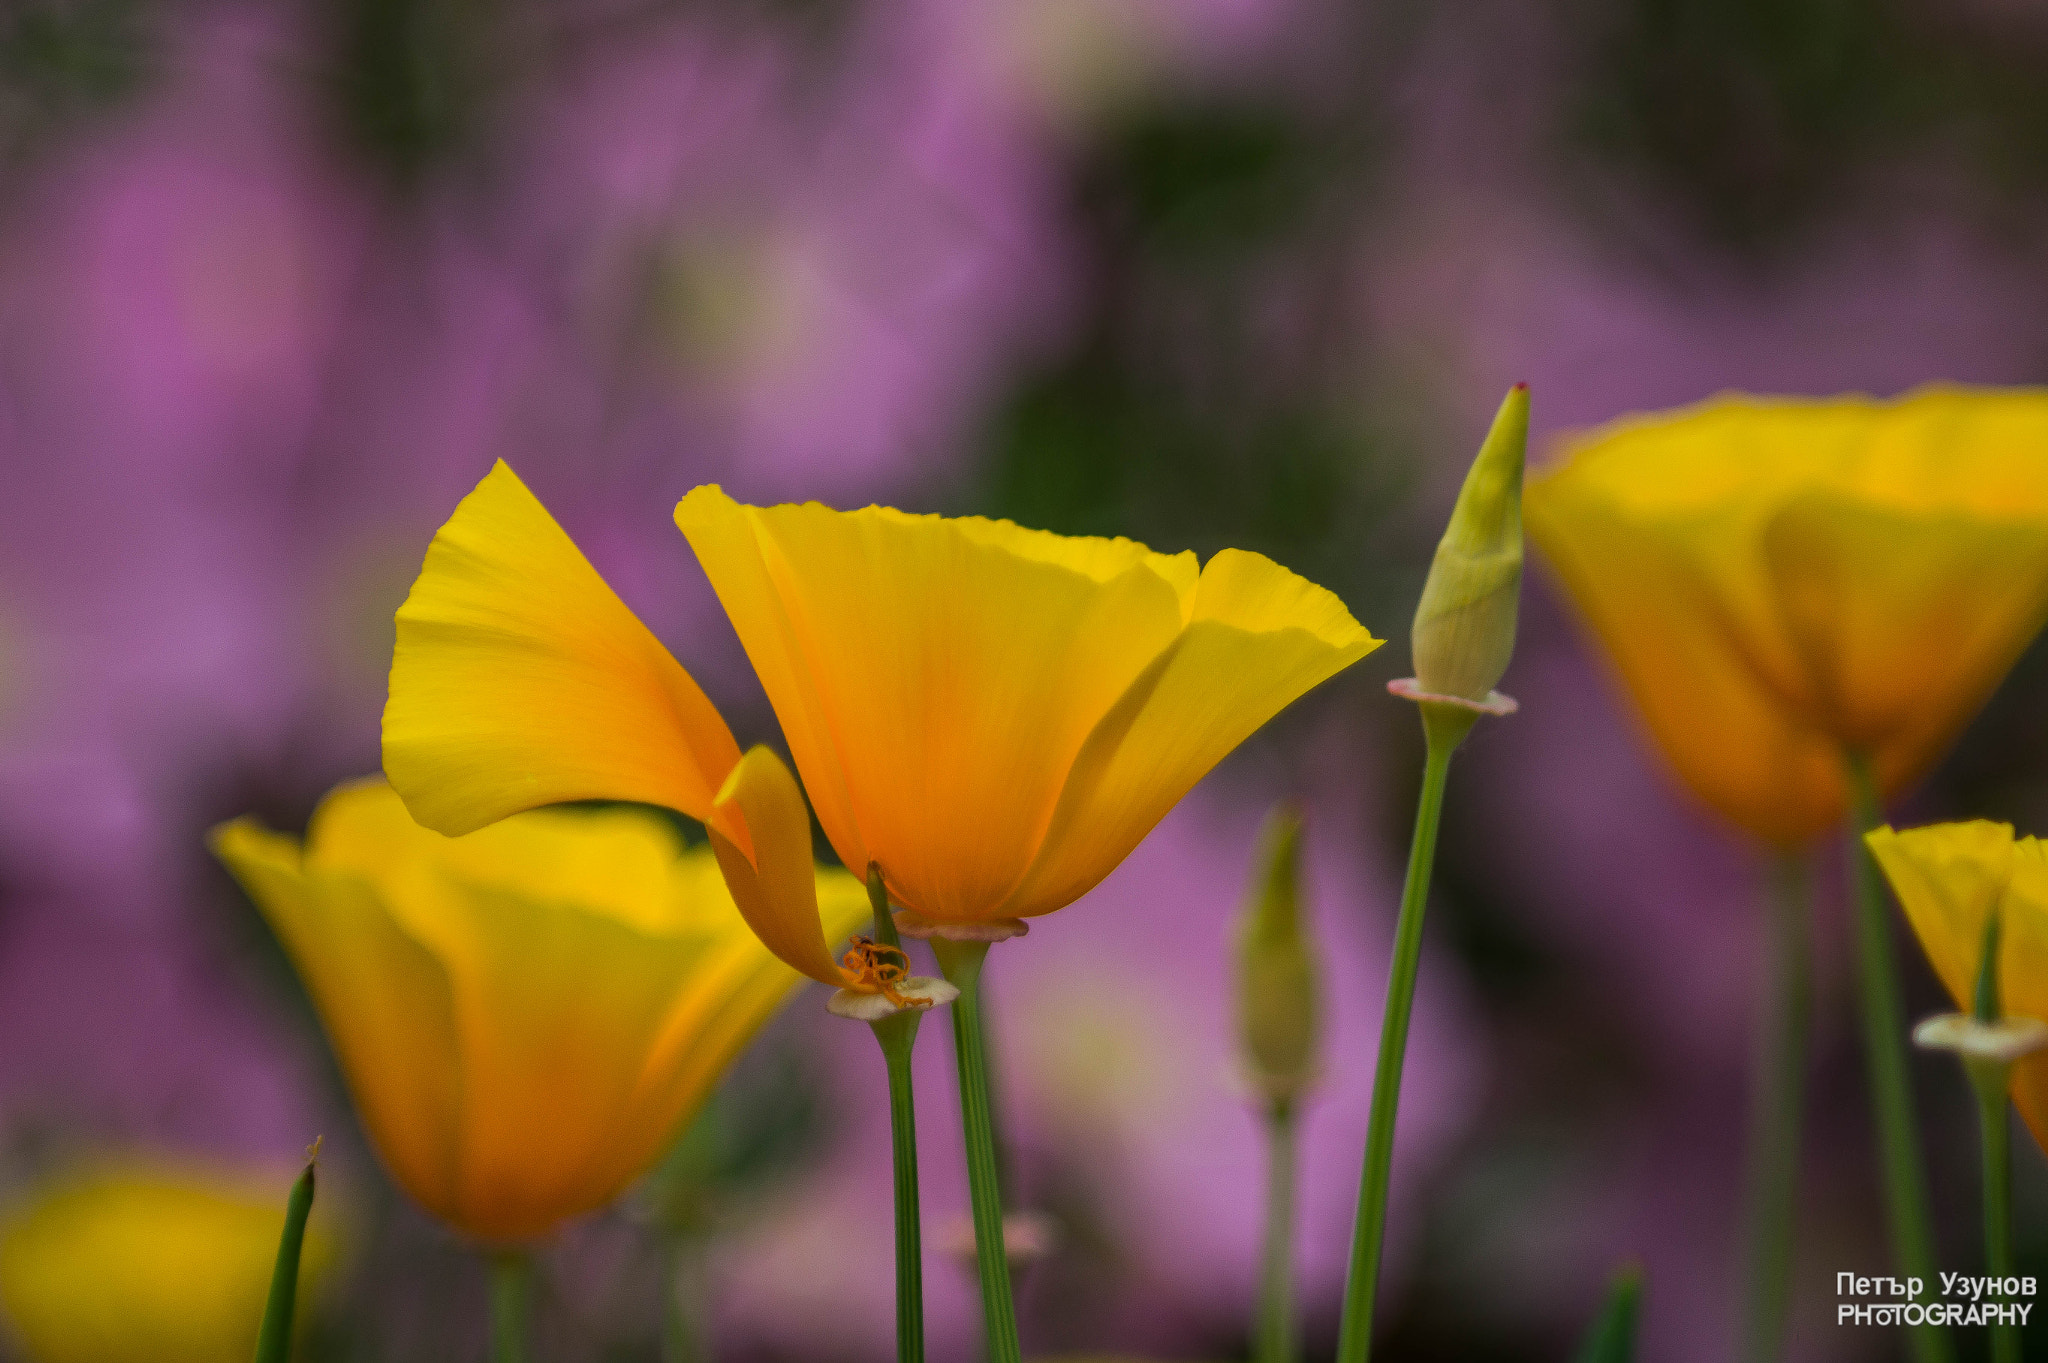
x: 1465, y: 625
x: 1278, y: 991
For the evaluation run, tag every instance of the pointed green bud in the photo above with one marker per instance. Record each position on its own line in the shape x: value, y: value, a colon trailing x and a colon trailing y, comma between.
x: 1465, y: 625
x: 1278, y: 1003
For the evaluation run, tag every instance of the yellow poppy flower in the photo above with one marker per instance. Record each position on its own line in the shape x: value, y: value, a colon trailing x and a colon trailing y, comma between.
x: 1950, y: 878
x: 133, y: 1264
x: 527, y: 1014
x: 996, y: 716
x: 1782, y: 582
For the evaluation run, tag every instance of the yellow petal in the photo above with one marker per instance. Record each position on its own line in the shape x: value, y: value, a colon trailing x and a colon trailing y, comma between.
x: 2023, y: 973
x: 614, y: 861
x: 935, y: 677
x: 1904, y: 620
x: 771, y: 874
x: 1681, y: 651
x: 556, y: 1011
x: 1949, y: 878
x: 1260, y: 637
x: 520, y: 679
x: 382, y: 997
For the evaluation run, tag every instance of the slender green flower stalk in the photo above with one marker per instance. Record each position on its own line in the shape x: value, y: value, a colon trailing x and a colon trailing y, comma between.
x: 1354, y: 1339
x: 897, y: 1034
x: 1988, y: 1042
x: 1775, y: 1118
x: 274, y: 1341
x: 961, y: 962
x: 1884, y: 1046
x: 1997, y: 1154
x: 1279, y: 1015
x: 892, y: 1002
x: 1276, y: 1341
x: 1988, y: 1076
x: 511, y: 1293
x: 1463, y: 637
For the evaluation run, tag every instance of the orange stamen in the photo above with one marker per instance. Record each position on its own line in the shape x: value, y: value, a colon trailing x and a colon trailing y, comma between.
x: 874, y: 968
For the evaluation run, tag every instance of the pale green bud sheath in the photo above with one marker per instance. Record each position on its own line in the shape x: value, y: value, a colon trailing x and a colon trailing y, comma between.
x: 1278, y: 1018
x: 1465, y: 625
x: 1464, y: 636
x: 1278, y: 992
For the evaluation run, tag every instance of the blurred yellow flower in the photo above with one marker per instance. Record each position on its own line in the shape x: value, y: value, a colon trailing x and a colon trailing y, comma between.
x: 133, y: 1264
x: 1782, y: 582
x: 996, y: 716
x: 1950, y: 878
x: 527, y: 1014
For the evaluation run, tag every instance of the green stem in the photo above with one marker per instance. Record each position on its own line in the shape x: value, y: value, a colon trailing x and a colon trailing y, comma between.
x: 274, y: 1341
x: 1775, y: 1119
x: 1354, y: 1340
x: 961, y: 962
x: 511, y: 1285
x: 1991, y: 1122
x: 1884, y: 1044
x: 897, y: 1035
x: 1276, y: 1283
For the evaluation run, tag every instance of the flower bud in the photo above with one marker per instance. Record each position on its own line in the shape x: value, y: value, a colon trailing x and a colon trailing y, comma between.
x: 1465, y: 625
x: 1277, y: 986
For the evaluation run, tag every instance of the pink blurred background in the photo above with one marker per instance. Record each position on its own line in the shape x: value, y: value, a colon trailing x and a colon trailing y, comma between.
x: 278, y: 281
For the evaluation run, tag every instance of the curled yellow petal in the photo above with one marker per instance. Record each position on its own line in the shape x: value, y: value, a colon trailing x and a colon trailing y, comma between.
x: 763, y: 842
x: 520, y: 679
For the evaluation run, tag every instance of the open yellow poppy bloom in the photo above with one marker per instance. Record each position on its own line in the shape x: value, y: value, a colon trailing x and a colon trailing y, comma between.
x: 525, y: 1015
x: 135, y: 1264
x: 1782, y: 582
x: 1950, y: 878
x: 996, y: 716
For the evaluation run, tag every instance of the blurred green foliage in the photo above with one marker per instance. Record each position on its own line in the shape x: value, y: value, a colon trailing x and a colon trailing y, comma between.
x: 61, y: 60
x: 410, y: 78
x: 1208, y: 400
x: 1751, y: 122
x: 1748, y: 113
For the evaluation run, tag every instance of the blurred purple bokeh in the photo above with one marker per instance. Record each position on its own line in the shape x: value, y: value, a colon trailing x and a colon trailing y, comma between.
x: 250, y: 359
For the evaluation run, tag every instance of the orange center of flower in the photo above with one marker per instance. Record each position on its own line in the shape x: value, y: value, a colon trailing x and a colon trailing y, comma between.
x: 873, y: 968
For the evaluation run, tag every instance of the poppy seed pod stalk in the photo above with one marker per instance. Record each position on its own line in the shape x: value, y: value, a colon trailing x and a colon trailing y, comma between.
x: 1464, y: 636
x: 1279, y: 1017
x: 1465, y: 624
x: 1278, y: 993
